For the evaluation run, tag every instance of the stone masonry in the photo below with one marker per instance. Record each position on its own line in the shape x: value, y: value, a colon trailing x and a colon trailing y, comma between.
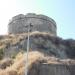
x: 40, y: 23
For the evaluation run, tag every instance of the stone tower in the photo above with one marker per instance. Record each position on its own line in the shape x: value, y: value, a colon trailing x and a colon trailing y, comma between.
x: 40, y: 23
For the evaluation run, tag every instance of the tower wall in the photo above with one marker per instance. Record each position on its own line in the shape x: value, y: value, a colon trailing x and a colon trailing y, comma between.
x: 40, y: 23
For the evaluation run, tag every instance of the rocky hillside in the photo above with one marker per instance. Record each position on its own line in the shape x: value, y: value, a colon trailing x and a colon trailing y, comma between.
x: 12, y: 44
x: 48, y: 54
x: 39, y: 64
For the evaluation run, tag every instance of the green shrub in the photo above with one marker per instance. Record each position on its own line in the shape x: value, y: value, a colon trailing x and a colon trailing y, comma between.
x: 1, y: 53
x: 13, y: 55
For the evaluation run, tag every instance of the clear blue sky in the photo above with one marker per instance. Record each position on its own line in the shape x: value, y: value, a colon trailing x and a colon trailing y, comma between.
x: 62, y: 11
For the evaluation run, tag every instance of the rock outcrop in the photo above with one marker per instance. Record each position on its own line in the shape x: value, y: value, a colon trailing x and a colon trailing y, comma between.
x: 41, y: 41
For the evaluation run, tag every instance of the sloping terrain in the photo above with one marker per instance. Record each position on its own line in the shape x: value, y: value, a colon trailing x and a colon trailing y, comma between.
x: 48, y: 54
x: 36, y: 59
x: 11, y: 44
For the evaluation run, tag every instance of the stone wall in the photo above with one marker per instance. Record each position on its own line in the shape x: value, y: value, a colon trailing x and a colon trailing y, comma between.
x: 52, y: 69
x: 40, y: 23
x: 57, y: 69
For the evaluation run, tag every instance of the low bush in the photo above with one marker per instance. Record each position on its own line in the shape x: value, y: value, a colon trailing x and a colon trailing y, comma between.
x: 1, y: 53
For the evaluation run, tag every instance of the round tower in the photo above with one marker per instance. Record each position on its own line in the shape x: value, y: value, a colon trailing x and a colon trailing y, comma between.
x: 40, y: 23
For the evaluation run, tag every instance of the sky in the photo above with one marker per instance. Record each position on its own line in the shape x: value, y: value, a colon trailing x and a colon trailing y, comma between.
x: 62, y: 11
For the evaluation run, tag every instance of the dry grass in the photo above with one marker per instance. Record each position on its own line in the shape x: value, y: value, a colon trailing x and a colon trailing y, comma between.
x: 18, y: 67
x: 14, y: 39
